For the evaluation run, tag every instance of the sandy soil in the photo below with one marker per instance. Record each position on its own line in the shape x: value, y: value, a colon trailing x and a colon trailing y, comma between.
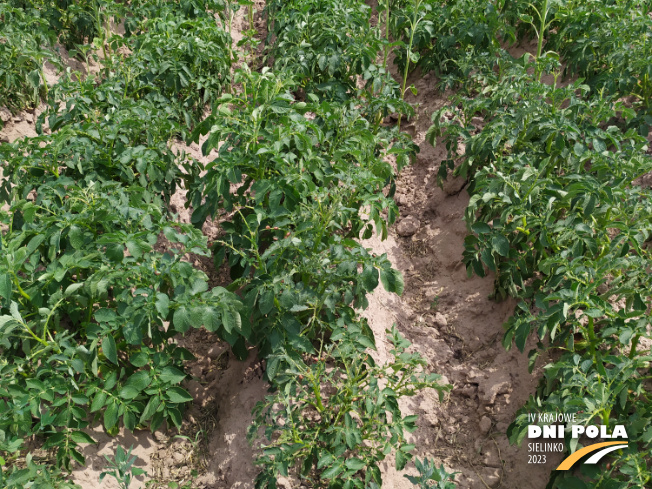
x: 447, y: 316
x: 454, y: 325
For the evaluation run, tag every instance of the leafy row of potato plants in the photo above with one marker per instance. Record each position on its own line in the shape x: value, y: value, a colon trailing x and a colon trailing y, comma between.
x: 302, y: 172
x: 24, y: 43
x: 607, y: 43
x: 94, y: 279
x: 557, y: 216
x: 90, y: 302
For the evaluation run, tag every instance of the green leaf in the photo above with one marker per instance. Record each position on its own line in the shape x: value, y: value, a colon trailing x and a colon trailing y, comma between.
x: 137, y: 382
x: 231, y: 320
x: 162, y: 304
x: 599, y: 145
x: 178, y: 395
x: 325, y: 460
x: 135, y: 248
x: 181, y: 319
x: 332, y: 472
x: 370, y: 278
x: 365, y: 342
x: 129, y: 420
x: 34, y: 243
x: 111, y: 416
x: 488, y: 259
x: 15, y: 313
x: 151, y: 407
x: 104, y: 315
x: 133, y: 331
x: 401, y: 460
x: 481, y: 228
x: 139, y: 359
x: 355, y: 464
x: 500, y: 244
x: 115, y: 252
x: 72, y: 288
x: 175, y: 416
x: 81, y: 437
x: 76, y: 237
x: 109, y: 349
x: 266, y: 302
x: 172, y: 375
x: 392, y: 280
x: 34, y: 78
x: 98, y: 401
x: 5, y: 286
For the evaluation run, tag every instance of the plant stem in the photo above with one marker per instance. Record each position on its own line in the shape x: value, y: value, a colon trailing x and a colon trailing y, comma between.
x: 20, y: 289
x: 542, y: 29
x: 632, y: 353
x: 386, y: 54
x: 45, y: 82
x: 413, y: 28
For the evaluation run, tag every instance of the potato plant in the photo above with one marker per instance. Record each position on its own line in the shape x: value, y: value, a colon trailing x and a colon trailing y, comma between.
x: 128, y: 145
x: 25, y: 47
x: 448, y: 32
x: 334, y: 418
x: 293, y: 176
x: 86, y: 303
x: 186, y: 60
x: 295, y: 185
x: 94, y: 277
x: 556, y: 216
x: 609, y: 45
x: 326, y: 43
x: 95, y: 282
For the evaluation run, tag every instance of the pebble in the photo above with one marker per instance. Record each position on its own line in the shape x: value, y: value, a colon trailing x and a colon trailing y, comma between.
x: 212, y: 375
x: 485, y: 425
x: 489, y: 390
x: 5, y: 115
x: 440, y: 320
x: 178, y: 457
x: 29, y: 118
x: 408, y: 226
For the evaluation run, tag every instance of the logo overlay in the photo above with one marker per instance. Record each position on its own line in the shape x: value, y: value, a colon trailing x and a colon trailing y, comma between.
x: 553, y: 426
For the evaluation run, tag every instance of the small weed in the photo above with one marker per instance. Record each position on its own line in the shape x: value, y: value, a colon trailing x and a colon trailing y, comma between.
x: 429, y: 473
x: 122, y: 467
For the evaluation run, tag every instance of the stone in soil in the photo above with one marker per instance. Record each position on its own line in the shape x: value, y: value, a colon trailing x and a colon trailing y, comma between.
x: 5, y: 115
x: 408, y: 226
x: 440, y: 320
x: 491, y: 388
x: 485, y: 425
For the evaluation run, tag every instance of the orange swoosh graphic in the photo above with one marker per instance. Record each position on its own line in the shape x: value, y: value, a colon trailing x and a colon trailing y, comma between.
x: 571, y: 459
